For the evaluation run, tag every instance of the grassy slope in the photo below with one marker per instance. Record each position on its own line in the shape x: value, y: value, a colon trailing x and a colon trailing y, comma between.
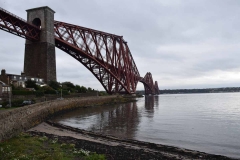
x: 26, y: 147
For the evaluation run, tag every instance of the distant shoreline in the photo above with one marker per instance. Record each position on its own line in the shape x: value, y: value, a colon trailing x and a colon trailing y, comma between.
x: 193, y: 91
x: 206, y: 90
x: 199, y: 93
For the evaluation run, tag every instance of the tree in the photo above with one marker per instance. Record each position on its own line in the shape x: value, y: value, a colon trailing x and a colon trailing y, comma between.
x: 48, y: 90
x: 55, y: 85
x: 83, y: 89
x: 78, y: 88
x: 89, y: 89
x: 69, y: 85
x: 31, y: 84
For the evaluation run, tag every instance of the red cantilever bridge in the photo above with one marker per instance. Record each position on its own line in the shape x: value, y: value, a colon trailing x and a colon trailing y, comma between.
x: 106, y: 56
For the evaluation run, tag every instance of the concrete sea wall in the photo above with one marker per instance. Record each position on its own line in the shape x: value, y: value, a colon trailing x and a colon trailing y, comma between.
x: 14, y: 121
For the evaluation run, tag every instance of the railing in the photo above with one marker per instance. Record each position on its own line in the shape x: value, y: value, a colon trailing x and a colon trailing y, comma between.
x: 19, y: 18
x: 12, y: 14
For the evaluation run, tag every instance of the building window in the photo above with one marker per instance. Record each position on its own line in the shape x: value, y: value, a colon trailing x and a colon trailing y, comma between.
x: 25, y: 78
x: 32, y: 79
x: 20, y: 77
x: 6, y: 89
x: 14, y: 77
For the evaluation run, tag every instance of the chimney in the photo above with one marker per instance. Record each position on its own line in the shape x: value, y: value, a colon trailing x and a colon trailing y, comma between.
x: 3, y: 72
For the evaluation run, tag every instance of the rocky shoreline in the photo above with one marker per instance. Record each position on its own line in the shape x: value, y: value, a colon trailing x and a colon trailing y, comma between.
x: 115, y: 148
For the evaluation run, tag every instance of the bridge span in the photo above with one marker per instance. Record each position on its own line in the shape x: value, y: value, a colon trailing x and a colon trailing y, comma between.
x: 107, y: 56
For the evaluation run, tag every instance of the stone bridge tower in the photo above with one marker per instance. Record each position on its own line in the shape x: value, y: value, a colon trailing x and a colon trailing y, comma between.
x: 39, y: 59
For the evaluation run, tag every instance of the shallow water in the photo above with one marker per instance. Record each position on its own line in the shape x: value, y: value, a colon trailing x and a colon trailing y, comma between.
x: 204, y: 122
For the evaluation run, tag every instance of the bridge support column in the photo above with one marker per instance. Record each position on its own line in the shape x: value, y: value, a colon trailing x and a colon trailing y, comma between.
x: 39, y: 59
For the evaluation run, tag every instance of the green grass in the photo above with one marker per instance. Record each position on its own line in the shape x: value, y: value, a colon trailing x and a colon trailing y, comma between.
x: 27, y: 147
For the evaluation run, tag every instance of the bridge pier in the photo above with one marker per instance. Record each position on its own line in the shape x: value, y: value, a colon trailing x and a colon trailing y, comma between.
x: 39, y: 59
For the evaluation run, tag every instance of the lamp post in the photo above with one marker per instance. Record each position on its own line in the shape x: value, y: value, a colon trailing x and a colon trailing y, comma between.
x: 9, y: 95
x: 61, y: 90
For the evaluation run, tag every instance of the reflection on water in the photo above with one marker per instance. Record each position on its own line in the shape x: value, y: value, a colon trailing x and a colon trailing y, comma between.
x: 119, y: 120
x: 122, y: 121
x: 204, y: 122
x: 151, y: 102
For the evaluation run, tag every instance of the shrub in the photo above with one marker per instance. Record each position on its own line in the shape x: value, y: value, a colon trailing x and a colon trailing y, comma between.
x: 22, y: 92
x: 64, y: 92
x: 14, y: 103
x: 39, y: 93
x: 48, y: 90
x: 102, y: 93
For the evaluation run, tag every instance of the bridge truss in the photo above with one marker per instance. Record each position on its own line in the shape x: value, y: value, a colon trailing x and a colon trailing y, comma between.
x: 149, y: 86
x: 106, y: 56
x: 16, y: 25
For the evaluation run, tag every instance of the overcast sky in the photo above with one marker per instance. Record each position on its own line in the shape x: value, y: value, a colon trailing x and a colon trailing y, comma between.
x: 183, y: 43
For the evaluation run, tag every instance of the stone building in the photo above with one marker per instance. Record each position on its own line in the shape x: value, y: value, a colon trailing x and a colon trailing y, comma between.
x: 1, y: 89
x: 3, y: 76
x: 18, y: 80
x: 5, y: 89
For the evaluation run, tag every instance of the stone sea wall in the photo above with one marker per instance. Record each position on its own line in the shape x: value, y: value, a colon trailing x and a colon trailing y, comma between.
x: 46, y: 97
x: 14, y: 121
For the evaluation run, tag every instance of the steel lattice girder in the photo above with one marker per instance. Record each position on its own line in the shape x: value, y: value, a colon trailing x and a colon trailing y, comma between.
x: 148, y: 84
x: 15, y: 25
x: 156, y: 88
x: 106, y: 55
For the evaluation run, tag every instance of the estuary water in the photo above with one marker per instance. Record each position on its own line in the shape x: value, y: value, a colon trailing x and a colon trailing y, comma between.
x: 204, y: 122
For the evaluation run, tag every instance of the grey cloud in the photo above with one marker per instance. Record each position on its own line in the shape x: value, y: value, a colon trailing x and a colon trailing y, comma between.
x: 175, y: 40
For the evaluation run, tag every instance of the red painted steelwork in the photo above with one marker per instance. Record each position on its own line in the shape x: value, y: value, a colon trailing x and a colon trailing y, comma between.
x: 15, y: 25
x: 106, y: 55
x: 148, y: 84
x: 156, y: 88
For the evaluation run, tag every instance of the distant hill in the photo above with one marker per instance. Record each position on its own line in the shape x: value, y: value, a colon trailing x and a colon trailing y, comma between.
x: 206, y: 90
